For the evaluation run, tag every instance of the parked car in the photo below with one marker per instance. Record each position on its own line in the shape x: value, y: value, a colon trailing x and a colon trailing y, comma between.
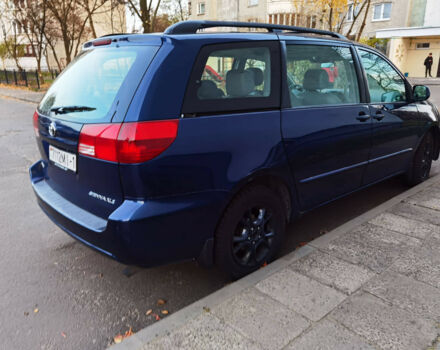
x: 148, y: 160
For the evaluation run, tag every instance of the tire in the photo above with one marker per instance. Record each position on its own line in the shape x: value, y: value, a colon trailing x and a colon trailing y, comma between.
x: 250, y: 232
x: 421, y: 165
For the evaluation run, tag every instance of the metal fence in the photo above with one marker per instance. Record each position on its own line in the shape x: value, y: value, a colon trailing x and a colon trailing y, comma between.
x: 27, y: 78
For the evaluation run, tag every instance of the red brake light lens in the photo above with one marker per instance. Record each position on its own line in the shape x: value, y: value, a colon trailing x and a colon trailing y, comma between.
x: 139, y: 142
x: 99, y: 141
x: 128, y: 142
x: 35, y: 122
x: 102, y: 42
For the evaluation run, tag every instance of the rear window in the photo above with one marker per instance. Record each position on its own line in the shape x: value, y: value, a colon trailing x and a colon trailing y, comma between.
x: 88, y: 89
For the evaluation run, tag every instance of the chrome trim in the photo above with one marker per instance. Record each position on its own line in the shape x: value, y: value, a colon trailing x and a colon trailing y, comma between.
x: 390, y: 155
x: 332, y: 172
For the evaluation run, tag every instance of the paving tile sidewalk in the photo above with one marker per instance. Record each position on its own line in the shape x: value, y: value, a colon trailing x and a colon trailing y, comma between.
x: 373, y: 283
x: 21, y: 94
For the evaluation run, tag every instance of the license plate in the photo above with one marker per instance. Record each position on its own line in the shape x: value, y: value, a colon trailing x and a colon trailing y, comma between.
x: 62, y: 159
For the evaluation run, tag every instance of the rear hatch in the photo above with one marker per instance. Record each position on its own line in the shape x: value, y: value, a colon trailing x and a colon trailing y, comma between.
x: 78, y: 121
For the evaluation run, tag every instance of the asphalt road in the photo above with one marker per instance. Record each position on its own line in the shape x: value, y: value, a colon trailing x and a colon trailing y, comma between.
x: 56, y: 293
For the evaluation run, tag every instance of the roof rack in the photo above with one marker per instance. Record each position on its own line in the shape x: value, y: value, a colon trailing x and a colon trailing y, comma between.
x: 191, y: 27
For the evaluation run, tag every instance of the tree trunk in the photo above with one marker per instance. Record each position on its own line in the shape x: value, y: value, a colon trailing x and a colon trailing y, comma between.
x: 361, y: 28
x: 92, y: 24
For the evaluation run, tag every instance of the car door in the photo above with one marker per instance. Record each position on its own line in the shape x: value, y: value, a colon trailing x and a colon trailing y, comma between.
x: 395, y: 123
x: 326, y: 128
x: 230, y: 126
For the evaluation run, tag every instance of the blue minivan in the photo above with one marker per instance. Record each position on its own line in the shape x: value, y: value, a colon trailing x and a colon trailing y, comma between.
x: 196, y: 144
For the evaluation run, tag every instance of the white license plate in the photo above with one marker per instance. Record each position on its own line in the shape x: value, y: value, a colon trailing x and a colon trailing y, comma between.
x: 62, y: 159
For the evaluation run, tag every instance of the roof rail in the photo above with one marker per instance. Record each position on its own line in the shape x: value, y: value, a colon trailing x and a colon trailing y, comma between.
x: 191, y: 27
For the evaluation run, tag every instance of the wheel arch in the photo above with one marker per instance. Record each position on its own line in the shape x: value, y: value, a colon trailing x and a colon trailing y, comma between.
x: 279, y: 184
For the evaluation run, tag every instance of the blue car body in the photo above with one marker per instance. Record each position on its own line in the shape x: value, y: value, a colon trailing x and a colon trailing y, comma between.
x: 167, y: 209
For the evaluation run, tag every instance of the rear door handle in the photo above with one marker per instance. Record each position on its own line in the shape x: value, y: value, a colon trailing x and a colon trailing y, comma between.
x: 363, y: 117
x: 379, y: 116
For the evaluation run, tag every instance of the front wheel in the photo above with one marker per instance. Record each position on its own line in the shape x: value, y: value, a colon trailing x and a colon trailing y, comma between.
x: 250, y: 232
x: 421, y: 165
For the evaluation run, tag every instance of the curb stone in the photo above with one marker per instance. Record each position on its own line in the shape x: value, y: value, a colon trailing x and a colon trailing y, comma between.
x: 181, y: 317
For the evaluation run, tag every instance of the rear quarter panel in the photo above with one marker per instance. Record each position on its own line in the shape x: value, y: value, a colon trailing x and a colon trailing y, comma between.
x: 211, y: 153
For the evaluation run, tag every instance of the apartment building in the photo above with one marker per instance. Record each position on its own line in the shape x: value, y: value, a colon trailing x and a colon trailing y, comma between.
x: 410, y: 44
x: 381, y: 13
x: 229, y: 10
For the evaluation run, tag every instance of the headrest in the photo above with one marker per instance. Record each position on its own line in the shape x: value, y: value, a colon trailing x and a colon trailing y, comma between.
x: 208, y: 90
x: 258, y: 75
x: 239, y: 84
x: 316, y: 79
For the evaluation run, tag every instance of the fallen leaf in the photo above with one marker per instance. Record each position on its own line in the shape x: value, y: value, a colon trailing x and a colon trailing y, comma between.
x: 128, y: 333
x: 63, y: 334
x: 149, y: 312
x: 26, y: 313
x: 118, y: 339
x: 157, y: 317
x: 264, y: 265
x: 35, y: 310
x: 206, y: 309
x: 161, y: 302
x: 164, y: 312
x: 302, y: 244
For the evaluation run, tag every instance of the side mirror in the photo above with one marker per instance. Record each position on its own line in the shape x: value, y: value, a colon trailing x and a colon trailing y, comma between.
x: 421, y: 92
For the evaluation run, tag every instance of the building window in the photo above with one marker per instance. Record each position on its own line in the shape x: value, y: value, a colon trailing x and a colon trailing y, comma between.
x: 201, y: 8
x: 382, y: 11
x: 253, y: 2
x: 422, y: 46
x: 352, y: 12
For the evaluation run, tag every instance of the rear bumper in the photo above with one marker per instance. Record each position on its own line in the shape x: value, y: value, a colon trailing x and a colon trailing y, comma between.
x: 145, y: 233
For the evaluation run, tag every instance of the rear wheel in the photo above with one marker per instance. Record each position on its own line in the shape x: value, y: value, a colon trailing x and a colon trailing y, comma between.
x: 250, y: 232
x: 422, y: 161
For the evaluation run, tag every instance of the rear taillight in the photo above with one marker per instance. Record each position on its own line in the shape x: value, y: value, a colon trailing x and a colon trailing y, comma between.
x: 127, y: 142
x: 139, y: 142
x: 99, y: 141
x: 35, y: 122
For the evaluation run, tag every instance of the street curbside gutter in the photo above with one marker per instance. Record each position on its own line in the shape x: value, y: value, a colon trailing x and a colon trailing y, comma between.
x: 181, y: 317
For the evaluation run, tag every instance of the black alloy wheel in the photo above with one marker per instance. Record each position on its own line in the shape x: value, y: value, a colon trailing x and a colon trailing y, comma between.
x: 421, y: 165
x: 251, y: 231
x: 253, y: 237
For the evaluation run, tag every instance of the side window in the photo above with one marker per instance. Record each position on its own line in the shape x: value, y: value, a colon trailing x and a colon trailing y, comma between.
x: 235, y: 73
x: 321, y: 75
x: 233, y: 77
x: 384, y: 83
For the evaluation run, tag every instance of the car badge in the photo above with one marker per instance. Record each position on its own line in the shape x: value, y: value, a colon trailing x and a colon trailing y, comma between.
x: 52, y: 129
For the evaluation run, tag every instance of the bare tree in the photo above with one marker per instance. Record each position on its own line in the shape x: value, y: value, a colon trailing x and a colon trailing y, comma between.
x: 99, y: 7
x: 364, y: 20
x: 333, y: 14
x: 71, y: 23
x: 146, y: 11
x: 171, y: 11
x: 33, y: 17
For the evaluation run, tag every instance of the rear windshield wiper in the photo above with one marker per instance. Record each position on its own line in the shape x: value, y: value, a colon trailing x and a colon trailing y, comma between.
x: 70, y: 109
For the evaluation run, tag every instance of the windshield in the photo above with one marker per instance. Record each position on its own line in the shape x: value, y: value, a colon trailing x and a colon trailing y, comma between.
x: 88, y: 88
